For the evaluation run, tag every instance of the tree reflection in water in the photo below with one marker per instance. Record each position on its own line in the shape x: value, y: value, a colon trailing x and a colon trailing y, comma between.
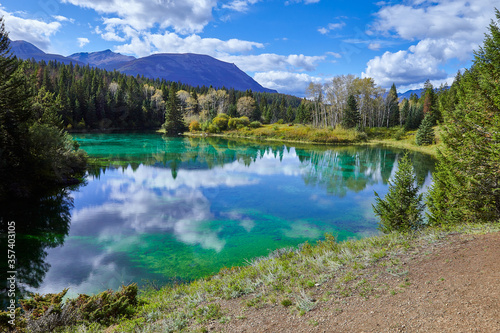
x: 41, y: 223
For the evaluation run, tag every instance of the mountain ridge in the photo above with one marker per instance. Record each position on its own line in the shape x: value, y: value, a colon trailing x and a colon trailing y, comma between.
x: 188, y: 68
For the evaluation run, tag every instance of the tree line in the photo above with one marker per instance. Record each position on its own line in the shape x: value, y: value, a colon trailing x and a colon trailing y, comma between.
x: 466, y: 184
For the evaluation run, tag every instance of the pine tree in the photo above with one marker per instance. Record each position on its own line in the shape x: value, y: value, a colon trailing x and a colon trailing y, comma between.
x: 351, y: 113
x: 174, y: 120
x: 393, y: 107
x: 467, y: 182
x: 402, y: 207
x: 425, y: 134
x: 35, y: 154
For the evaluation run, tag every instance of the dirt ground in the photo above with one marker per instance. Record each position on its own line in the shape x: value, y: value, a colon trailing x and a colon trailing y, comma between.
x: 452, y: 286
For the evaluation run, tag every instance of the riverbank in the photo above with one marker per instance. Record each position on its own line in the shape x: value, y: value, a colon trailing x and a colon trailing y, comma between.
x: 298, y: 133
x: 434, y: 280
x: 393, y: 282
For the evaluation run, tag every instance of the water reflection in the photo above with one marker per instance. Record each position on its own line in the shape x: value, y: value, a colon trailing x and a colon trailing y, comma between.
x: 167, y: 208
x: 41, y: 223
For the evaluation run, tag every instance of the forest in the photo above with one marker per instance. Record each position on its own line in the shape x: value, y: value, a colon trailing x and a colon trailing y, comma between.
x: 94, y: 99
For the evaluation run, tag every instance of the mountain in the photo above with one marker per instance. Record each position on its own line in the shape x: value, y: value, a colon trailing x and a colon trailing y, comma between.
x: 192, y: 69
x: 188, y: 68
x: 408, y: 93
x: 26, y: 51
x: 107, y: 59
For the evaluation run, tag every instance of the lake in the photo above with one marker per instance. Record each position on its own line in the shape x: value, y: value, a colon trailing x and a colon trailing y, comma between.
x: 165, y: 210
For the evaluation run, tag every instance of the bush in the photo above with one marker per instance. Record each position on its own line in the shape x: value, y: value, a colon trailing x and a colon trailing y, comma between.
x: 255, y: 124
x: 400, y: 133
x: 213, y: 128
x: 236, y: 123
x: 194, y: 126
x: 107, y: 306
x: 221, y: 121
x: 281, y: 121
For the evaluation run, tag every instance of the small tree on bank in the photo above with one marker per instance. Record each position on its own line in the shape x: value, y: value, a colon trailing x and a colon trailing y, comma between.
x: 351, y: 113
x: 425, y: 134
x: 401, y: 209
x: 174, y: 120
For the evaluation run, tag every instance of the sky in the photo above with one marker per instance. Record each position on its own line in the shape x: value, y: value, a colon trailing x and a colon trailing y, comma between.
x: 282, y: 44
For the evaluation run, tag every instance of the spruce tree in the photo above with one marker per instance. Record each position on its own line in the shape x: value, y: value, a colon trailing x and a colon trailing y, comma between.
x: 425, y: 134
x: 401, y: 209
x: 351, y: 113
x: 174, y: 120
x: 35, y: 154
x: 467, y: 182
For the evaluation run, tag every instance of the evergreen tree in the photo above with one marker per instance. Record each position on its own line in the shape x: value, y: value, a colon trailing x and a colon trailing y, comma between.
x: 351, y: 113
x: 425, y: 134
x: 467, y: 182
x: 174, y: 121
x: 401, y: 209
x: 393, y: 107
x: 35, y: 154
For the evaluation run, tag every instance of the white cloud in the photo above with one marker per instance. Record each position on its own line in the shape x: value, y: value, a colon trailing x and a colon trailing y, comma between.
x: 143, y: 44
x: 374, y: 46
x: 445, y: 30
x: 334, y: 54
x: 82, y: 41
x: 286, y: 82
x: 240, y: 5
x: 271, y: 61
x: 31, y: 30
x: 61, y: 18
x: 330, y: 27
x: 184, y: 16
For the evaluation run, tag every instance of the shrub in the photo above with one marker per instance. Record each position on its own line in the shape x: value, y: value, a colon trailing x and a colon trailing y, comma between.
x: 255, y: 124
x: 212, y: 128
x: 400, y: 133
x: 107, y: 306
x: 281, y: 121
x: 194, y: 126
x: 221, y: 121
x: 238, y: 122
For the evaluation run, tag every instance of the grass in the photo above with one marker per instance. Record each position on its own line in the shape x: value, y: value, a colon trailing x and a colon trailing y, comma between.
x: 346, y: 269
x: 393, y: 137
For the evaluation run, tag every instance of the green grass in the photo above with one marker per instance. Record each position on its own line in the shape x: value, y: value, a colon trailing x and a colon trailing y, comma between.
x: 393, y: 137
x: 299, y: 275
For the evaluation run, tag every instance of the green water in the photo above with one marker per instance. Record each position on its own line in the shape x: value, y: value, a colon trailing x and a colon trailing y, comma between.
x: 175, y: 209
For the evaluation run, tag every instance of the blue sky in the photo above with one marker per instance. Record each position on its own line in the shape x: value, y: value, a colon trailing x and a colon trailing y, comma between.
x: 283, y: 45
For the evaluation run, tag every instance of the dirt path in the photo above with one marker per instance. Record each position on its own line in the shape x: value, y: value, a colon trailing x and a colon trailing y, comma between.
x: 453, y: 286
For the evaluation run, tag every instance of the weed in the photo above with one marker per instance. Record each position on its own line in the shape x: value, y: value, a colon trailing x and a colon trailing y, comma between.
x: 286, y: 302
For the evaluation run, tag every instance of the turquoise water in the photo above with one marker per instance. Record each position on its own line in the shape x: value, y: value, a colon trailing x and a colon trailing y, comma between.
x: 175, y: 209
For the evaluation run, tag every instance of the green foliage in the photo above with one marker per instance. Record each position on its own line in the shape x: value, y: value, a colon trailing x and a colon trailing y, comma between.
x: 235, y: 123
x: 400, y: 133
x: 38, y: 304
x: 425, y: 134
x: 174, y: 120
x: 351, y: 113
x: 467, y: 182
x: 221, y: 121
x: 107, y: 306
x: 255, y: 124
x: 401, y: 209
x: 35, y: 154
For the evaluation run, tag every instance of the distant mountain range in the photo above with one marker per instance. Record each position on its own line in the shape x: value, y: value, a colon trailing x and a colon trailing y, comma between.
x: 188, y: 68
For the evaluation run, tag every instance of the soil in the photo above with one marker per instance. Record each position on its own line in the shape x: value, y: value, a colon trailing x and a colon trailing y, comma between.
x: 452, y: 285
